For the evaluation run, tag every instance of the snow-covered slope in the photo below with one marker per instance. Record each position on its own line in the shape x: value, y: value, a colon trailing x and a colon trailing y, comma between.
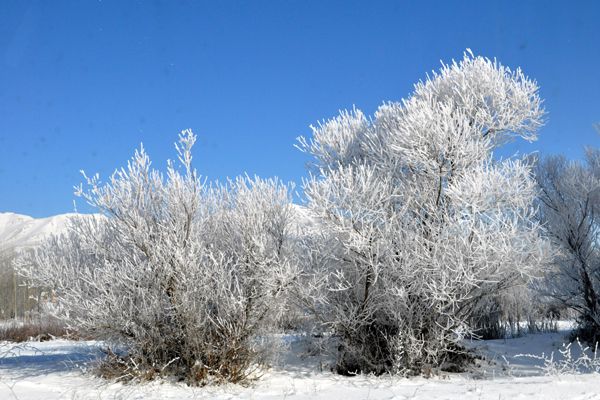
x: 20, y: 231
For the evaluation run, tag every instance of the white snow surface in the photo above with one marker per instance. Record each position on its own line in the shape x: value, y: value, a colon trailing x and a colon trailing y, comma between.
x: 57, y: 370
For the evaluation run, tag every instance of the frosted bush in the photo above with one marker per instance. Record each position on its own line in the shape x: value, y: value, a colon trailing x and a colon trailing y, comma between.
x: 187, y: 277
x: 570, y: 205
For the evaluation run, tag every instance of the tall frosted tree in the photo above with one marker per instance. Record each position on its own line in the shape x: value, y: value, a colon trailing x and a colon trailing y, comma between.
x: 422, y: 222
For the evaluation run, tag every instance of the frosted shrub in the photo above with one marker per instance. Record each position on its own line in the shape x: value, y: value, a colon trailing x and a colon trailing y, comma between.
x: 423, y: 223
x: 570, y: 205
x: 184, y: 276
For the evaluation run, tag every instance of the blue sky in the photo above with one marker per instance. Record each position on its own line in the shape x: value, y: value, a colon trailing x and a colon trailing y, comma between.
x: 82, y: 83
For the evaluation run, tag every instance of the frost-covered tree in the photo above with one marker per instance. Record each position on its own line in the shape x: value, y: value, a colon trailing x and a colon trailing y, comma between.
x: 185, y: 276
x: 570, y: 210
x: 422, y: 221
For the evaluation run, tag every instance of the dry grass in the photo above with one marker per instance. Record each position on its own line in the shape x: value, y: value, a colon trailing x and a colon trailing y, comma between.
x: 39, y: 329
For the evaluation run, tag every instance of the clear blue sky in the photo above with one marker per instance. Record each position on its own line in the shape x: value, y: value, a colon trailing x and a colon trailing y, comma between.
x: 82, y: 83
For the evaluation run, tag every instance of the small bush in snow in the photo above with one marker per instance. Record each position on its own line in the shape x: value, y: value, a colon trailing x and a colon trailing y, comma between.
x: 569, y: 360
x: 187, y: 277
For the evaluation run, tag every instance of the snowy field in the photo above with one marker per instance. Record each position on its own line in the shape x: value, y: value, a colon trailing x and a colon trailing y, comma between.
x: 56, y: 370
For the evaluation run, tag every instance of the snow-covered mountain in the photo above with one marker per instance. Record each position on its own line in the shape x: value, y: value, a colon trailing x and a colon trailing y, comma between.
x: 20, y: 231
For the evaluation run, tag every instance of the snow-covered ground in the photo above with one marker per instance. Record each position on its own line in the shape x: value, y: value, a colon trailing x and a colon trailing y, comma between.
x: 57, y: 370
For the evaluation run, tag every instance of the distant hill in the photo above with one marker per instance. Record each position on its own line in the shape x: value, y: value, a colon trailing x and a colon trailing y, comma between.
x: 21, y: 231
